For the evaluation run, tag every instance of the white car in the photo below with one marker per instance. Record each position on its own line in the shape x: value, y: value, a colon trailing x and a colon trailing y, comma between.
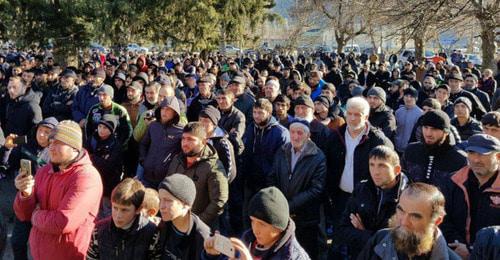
x: 231, y: 50
x: 134, y: 47
x: 407, y: 53
x: 475, y: 58
x: 354, y: 48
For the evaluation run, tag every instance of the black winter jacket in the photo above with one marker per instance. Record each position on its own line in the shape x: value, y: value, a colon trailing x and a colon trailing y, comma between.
x: 303, y: 187
x: 383, y: 118
x: 22, y: 114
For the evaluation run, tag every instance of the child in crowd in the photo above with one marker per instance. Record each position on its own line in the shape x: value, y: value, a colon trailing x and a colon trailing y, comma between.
x: 151, y: 205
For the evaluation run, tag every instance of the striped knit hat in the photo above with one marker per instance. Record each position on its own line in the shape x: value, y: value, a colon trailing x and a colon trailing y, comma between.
x: 68, y: 132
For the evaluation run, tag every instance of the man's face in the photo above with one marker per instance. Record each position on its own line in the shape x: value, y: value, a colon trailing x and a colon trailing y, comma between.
x: 28, y: 77
x: 383, y: 173
x: 42, y: 136
x: 432, y: 135
x: 281, y: 108
x: 409, y: 100
x: 204, y: 88
x: 355, y: 119
x: 60, y: 153
x: 167, y: 114
x: 270, y: 91
x: 461, y: 110
x: 170, y: 207
x: 110, y: 70
x: 151, y: 95
x: 236, y: 88
x: 260, y: 116
x: 319, y: 108
x: 103, y: 132
x: 123, y: 215
x: 303, y: 111
x: 225, y: 102
x: 374, y: 102
x: 328, y: 93
x: 207, y: 123
x: 191, y: 145
x: 483, y: 164
x: 492, y: 130
x: 133, y: 94
x: 313, y: 81
x: 67, y: 82
x: 428, y: 83
x: 442, y: 95
x: 469, y: 83
x: 264, y: 233
x: 191, y: 82
x: 15, y: 88
x: 96, y: 81
x: 118, y: 82
x: 413, y: 225
x: 298, y: 137
x: 104, y: 99
x: 454, y: 84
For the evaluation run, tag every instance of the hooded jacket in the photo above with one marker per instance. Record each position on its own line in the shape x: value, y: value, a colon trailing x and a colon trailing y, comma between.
x: 381, y: 246
x: 211, y: 183
x: 219, y: 140
x: 261, y: 144
x: 432, y: 164
x: 303, y: 187
x: 375, y: 206
x: 22, y: 114
x: 68, y: 201
x: 160, y: 144
x: 106, y: 156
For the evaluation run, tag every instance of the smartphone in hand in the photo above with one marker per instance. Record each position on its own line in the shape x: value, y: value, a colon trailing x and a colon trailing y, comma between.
x: 224, y: 245
x: 26, y: 166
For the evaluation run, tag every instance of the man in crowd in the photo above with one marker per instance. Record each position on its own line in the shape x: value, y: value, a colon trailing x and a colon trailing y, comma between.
x: 87, y: 97
x: 406, y: 117
x: 413, y: 231
x: 104, y: 107
x: 435, y: 157
x: 463, y: 121
x: 205, y: 98
x: 473, y: 194
x: 491, y: 124
x: 381, y: 116
x: 59, y: 99
x: 132, y: 105
x: 352, y: 144
x: 63, y: 198
x: 471, y: 85
x: 232, y: 120
x: 200, y: 163
x: 315, y: 82
x: 272, y: 89
x: 299, y: 171
x: 281, y: 105
x: 243, y: 99
x: 373, y: 201
x: 455, y: 82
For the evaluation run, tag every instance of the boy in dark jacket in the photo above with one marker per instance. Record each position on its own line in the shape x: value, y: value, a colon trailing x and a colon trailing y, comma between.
x: 127, y: 234
x: 105, y: 154
x: 273, y: 231
x: 181, y: 232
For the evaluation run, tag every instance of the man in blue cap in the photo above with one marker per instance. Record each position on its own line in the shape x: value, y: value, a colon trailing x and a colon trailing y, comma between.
x: 473, y: 194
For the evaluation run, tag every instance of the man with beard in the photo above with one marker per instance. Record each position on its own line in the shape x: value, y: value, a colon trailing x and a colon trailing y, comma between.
x: 315, y: 82
x: 470, y: 84
x: 382, y: 76
x: 427, y: 91
x: 473, y: 194
x: 132, y: 105
x: 87, y: 97
x: 59, y: 100
x: 373, y: 201
x: 199, y: 161
x: 323, y: 114
x: 160, y: 143
x: 243, y: 100
x: 62, y: 199
x: 232, y: 120
x: 202, y: 100
x: 351, y: 144
x: 151, y: 95
x: 272, y: 89
x: 381, y: 116
x: 435, y: 157
x: 413, y: 231
x: 262, y: 138
x: 366, y: 77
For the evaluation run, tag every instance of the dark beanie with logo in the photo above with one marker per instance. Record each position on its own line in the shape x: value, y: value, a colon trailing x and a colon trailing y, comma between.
x: 270, y: 206
x: 436, y: 119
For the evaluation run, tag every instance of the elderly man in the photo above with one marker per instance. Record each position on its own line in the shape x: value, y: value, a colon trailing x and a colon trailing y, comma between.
x: 272, y: 89
x: 62, y: 199
x: 352, y: 144
x: 299, y: 171
x: 243, y: 99
x: 473, y: 194
x: 413, y: 231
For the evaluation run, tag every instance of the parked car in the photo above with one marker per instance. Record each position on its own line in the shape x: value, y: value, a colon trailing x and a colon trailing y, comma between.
x: 134, y: 47
x: 354, y: 48
x: 475, y: 58
x: 230, y: 50
x: 409, y: 54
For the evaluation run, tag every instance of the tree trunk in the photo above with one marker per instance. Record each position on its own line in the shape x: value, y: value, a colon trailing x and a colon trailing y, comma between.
x: 419, y: 47
x: 488, y: 41
x: 341, y: 42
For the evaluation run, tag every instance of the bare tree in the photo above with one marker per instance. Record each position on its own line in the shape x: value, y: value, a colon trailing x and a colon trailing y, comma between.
x: 488, y: 14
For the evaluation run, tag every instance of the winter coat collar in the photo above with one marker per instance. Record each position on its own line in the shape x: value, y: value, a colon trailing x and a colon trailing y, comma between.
x: 385, y: 248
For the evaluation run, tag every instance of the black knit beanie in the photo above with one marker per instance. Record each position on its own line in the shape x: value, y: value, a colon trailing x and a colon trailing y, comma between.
x: 270, y: 206
x: 436, y: 119
x: 211, y: 113
x: 180, y: 186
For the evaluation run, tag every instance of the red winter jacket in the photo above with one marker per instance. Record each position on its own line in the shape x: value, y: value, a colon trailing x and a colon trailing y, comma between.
x: 62, y: 210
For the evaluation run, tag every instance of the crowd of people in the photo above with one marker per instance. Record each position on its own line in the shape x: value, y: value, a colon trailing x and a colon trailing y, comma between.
x: 315, y: 156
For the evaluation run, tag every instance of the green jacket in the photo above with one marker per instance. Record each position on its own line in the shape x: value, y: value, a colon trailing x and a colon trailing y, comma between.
x: 210, y: 181
x: 123, y: 131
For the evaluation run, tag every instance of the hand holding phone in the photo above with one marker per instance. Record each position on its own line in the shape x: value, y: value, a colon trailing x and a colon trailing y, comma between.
x: 224, y: 245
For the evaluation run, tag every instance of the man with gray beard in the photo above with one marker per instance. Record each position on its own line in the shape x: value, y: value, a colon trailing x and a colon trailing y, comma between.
x: 413, y: 231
